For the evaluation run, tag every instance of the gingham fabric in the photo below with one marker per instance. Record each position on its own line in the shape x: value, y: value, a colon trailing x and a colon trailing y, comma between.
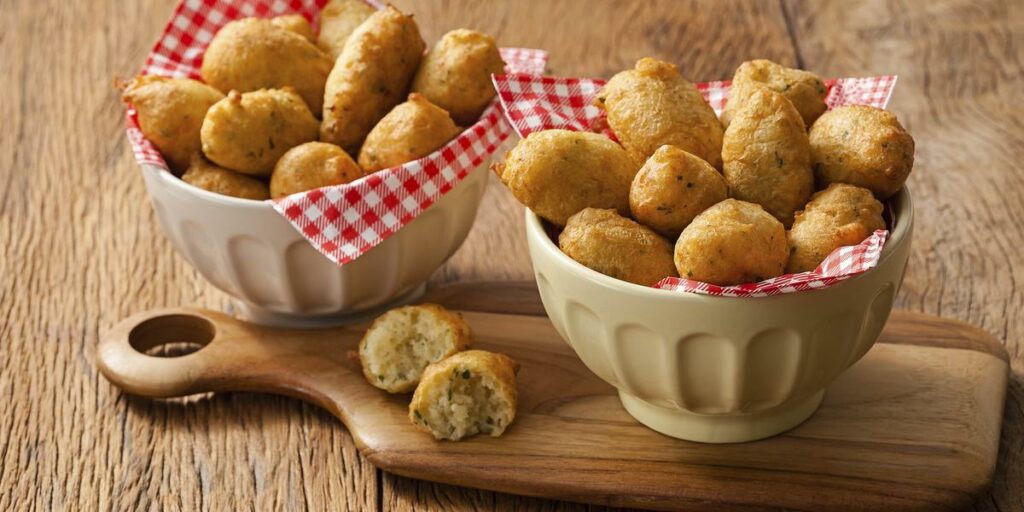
x: 344, y: 221
x: 179, y: 51
x: 842, y: 264
x: 533, y: 103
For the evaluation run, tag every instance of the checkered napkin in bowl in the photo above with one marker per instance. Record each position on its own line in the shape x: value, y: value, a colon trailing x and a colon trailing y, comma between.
x: 343, y: 221
x: 535, y: 103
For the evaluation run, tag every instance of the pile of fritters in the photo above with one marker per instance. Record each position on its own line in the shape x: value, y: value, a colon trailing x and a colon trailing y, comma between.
x: 745, y: 198
x: 282, y: 110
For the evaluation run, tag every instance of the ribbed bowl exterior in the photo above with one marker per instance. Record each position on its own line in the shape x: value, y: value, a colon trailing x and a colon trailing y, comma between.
x: 717, y: 355
x: 251, y: 252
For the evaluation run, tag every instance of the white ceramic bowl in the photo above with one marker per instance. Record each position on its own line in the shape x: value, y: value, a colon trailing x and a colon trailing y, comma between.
x: 718, y: 369
x: 248, y: 250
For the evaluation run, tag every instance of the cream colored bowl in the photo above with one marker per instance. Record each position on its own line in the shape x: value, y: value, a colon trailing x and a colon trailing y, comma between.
x: 248, y: 250
x: 718, y: 369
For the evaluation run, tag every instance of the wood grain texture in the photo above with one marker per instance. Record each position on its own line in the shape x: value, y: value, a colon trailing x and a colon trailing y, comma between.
x: 81, y: 248
x: 889, y: 434
x: 960, y: 67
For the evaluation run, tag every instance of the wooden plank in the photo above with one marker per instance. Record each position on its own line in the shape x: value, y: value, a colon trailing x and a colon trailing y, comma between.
x: 960, y: 67
x: 81, y: 249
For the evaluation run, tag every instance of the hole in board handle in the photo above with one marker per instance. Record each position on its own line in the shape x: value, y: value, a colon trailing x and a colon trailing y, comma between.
x: 171, y: 335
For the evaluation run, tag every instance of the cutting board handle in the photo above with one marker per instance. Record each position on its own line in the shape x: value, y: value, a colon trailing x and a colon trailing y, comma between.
x: 123, y: 358
x: 239, y: 356
x: 232, y: 355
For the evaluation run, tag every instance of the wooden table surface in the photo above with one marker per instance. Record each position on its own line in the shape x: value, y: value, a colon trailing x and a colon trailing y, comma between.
x: 82, y: 249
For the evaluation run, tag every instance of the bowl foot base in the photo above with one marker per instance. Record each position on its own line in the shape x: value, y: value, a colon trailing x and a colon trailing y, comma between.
x: 258, y: 315
x: 721, y: 428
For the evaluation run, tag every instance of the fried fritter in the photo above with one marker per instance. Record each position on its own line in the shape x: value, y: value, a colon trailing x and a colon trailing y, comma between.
x: 338, y: 19
x: 296, y: 23
x: 767, y: 158
x: 468, y: 393
x: 456, y: 74
x: 370, y: 77
x: 401, y: 343
x: 411, y: 130
x: 312, y: 165
x: 653, y: 105
x: 604, y: 241
x: 838, y: 216
x: 248, y: 132
x: 672, y: 187
x: 219, y: 180
x: 170, y: 113
x: 733, y: 242
x: 863, y: 146
x: 557, y: 173
x: 805, y: 90
x: 252, y: 53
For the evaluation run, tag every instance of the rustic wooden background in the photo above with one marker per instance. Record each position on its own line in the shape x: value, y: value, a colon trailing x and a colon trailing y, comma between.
x: 80, y: 248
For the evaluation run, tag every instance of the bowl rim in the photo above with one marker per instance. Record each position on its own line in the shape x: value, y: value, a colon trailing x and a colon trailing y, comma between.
x: 904, y: 215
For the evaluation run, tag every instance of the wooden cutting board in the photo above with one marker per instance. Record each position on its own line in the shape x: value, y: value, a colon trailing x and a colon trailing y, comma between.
x: 912, y: 426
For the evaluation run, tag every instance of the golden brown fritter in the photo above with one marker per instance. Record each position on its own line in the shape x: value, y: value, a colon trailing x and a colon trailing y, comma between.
x: 863, y: 146
x: 251, y: 53
x: 338, y: 19
x: 370, y: 77
x: 312, y: 165
x: 557, y: 173
x: 456, y: 74
x: 805, y: 90
x: 170, y: 113
x: 400, y: 344
x: 468, y: 393
x: 837, y: 216
x: 219, y: 180
x: 604, y: 241
x: 672, y: 187
x: 767, y: 158
x: 733, y: 242
x: 296, y: 23
x: 411, y: 130
x: 653, y: 105
x: 248, y: 132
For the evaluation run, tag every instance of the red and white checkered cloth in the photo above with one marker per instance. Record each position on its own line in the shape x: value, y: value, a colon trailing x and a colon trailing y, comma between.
x: 343, y: 221
x: 534, y: 103
x: 842, y: 264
